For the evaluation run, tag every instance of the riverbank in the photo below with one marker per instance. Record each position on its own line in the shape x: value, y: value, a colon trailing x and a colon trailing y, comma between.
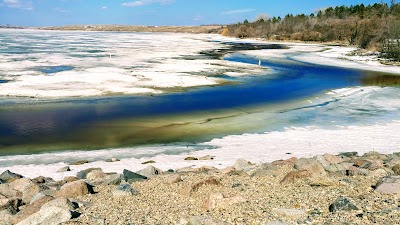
x: 344, y: 188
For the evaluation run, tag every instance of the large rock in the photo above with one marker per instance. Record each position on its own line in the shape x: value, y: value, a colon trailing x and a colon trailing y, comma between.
x: 375, y: 155
x: 64, y: 169
x: 8, y: 176
x: 30, y: 209
x: 113, y: 179
x: 42, y: 180
x: 314, y: 167
x: 74, y: 189
x: 333, y: 159
x: 61, y: 202
x: 21, y: 184
x: 206, y: 181
x: 295, y: 214
x: 389, y: 185
x: 342, y: 204
x: 124, y: 190
x: 173, y: 178
x: 8, y: 192
x: 396, y: 169
x: 288, y: 162
x: 150, y: 171
x: 131, y: 177
x: 218, y: 201
x: 5, y: 216
x: 30, y: 192
x: 50, y: 216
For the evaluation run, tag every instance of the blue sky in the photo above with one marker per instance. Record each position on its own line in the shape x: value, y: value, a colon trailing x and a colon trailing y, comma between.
x: 153, y: 12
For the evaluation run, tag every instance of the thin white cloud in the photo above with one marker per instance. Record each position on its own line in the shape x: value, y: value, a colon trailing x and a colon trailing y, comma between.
x: 19, y: 4
x: 104, y: 7
x: 237, y: 11
x: 61, y: 10
x: 147, y: 2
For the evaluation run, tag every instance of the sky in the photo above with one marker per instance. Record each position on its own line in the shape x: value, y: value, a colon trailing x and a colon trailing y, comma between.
x: 153, y: 12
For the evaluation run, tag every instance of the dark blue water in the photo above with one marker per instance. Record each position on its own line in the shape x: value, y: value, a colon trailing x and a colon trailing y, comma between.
x: 54, y: 69
x: 44, y: 126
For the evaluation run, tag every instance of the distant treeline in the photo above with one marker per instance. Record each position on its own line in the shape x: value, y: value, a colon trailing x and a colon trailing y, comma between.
x: 375, y: 27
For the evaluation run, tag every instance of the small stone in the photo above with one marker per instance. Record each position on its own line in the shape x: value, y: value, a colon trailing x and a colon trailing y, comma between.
x: 323, y: 182
x: 342, y: 204
x: 42, y: 180
x: 191, y: 158
x: 201, y: 220
x: 173, y: 178
x: 74, y: 189
x: 8, y: 176
x: 82, y: 174
x: 96, y: 175
x: 150, y: 171
x: 207, y: 157
x: 64, y: 169
x: 295, y: 214
x: 218, y: 201
x: 207, y: 181
x: 80, y: 162
x: 124, y: 190
x: 295, y: 175
x: 242, y: 165
x: 149, y: 162
x: 348, y: 154
x: 112, y: 160
x: 389, y: 185
x: 311, y: 165
x: 130, y: 176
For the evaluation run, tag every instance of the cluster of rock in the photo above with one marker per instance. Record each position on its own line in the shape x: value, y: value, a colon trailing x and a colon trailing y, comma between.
x: 45, y: 201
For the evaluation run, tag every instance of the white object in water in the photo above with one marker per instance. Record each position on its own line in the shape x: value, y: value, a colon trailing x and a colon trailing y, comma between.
x: 259, y: 62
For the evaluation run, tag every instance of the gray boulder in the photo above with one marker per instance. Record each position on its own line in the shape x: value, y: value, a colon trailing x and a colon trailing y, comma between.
x: 131, y: 177
x: 8, y: 175
x: 342, y: 204
x: 150, y: 171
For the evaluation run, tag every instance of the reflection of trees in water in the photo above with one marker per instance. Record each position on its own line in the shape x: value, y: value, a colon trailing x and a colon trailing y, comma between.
x: 381, y: 80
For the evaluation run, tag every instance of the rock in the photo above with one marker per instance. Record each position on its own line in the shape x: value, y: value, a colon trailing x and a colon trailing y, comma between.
x: 295, y: 175
x: 64, y: 169
x: 208, y: 181
x: 8, y: 192
x: 228, y: 170
x: 218, y: 201
x: 348, y: 154
x: 150, y: 171
x: 80, y: 162
x: 323, y: 182
x: 242, y: 165
x: 205, y: 169
x: 295, y: 214
x: 10, y: 204
x: 207, y: 157
x: 361, y: 163
x: 201, y: 220
x: 30, y: 192
x: 191, y: 158
x: 383, y: 172
x: 289, y: 162
x: 82, y: 174
x: 333, y: 159
x: 148, y: 162
x: 396, y: 169
x: 389, y: 185
x: 375, y: 156
x: 30, y: 209
x: 113, y: 179
x: 277, y: 223
x: 131, y: 177
x: 37, y: 196
x: 321, y: 159
x: 96, y: 175
x: 124, y: 190
x: 6, y: 216
x: 61, y: 202
x: 42, y: 180
x: 187, y: 169
x: 21, y: 184
x: 340, y: 168
x: 74, y: 189
x: 8, y: 176
x: 314, y: 167
x: 173, y: 178
x: 354, y: 171
x: 342, y: 204
x: 113, y: 160
x: 50, y: 216
x: 374, y: 165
